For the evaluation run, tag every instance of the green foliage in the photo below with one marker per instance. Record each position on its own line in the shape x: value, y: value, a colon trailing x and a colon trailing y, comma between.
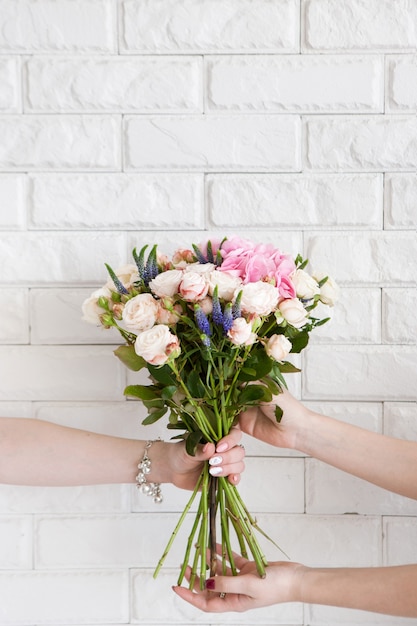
x: 128, y: 357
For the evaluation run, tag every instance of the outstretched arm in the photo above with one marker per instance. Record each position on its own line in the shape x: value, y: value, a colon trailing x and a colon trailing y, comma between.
x: 387, y: 590
x: 35, y: 452
x: 385, y: 461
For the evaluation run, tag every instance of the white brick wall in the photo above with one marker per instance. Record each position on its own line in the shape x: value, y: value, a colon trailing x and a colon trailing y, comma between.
x: 125, y: 122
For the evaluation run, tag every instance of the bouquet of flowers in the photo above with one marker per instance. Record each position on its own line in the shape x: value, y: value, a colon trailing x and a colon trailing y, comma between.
x: 214, y: 326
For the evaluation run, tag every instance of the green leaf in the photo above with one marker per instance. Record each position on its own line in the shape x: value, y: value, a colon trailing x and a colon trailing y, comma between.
x: 254, y: 393
x: 258, y: 361
x: 272, y: 385
x: 195, y: 386
x: 128, y: 357
x: 163, y: 374
x: 299, y: 342
x: 276, y: 375
x: 168, y: 392
x: 144, y: 392
x: 278, y: 413
x: 154, y: 416
x: 192, y: 442
x: 285, y: 367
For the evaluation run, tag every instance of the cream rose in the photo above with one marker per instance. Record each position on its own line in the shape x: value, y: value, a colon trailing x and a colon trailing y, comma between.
x: 278, y: 347
x: 293, y: 312
x: 90, y: 307
x: 140, y: 312
x: 306, y: 287
x: 193, y: 287
x: 241, y: 333
x: 259, y: 298
x: 226, y: 284
x: 166, y: 284
x: 329, y: 291
x: 168, y: 313
x: 127, y: 274
x: 200, y: 268
x: 157, y: 345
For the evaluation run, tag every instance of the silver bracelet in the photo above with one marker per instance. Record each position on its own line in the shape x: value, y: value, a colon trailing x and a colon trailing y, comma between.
x: 144, y: 467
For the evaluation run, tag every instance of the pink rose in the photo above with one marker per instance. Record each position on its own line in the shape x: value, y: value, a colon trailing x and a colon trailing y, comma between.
x: 193, y: 287
x: 166, y: 284
x: 157, y: 345
x: 293, y: 312
x: 278, y: 347
x: 140, y: 312
x: 168, y: 313
x: 241, y: 332
x: 182, y: 256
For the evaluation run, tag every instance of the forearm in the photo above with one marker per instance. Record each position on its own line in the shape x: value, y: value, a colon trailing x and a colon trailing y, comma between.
x: 33, y: 452
x: 387, y: 462
x: 388, y: 590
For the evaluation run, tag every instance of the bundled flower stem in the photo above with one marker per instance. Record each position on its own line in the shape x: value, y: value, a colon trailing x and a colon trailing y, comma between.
x: 214, y: 326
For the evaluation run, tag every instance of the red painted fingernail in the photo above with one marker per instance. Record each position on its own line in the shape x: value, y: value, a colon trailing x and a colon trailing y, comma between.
x: 210, y: 584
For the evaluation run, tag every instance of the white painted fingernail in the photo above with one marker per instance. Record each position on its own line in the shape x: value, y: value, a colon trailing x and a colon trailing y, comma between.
x: 215, y: 460
x: 215, y: 470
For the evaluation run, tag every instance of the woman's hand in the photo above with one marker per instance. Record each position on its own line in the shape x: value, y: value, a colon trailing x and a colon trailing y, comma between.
x: 226, y: 459
x: 247, y: 590
x: 261, y: 422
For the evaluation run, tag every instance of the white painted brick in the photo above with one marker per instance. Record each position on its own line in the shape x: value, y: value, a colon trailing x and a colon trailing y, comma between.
x: 148, y: 609
x: 331, y: 491
x: 367, y: 258
x: 323, y: 541
x: 360, y: 372
x: 367, y: 25
x: 60, y: 373
x: 60, y: 257
x: 169, y: 26
x: 400, y: 541
x: 401, y: 88
x: 361, y: 143
x: 10, y: 85
x: 400, y: 201
x: 64, y: 26
x: 400, y: 420
x: 207, y: 143
x: 15, y: 542
x: 12, y: 202
x: 56, y: 318
x: 116, y: 201
x: 119, y: 419
x: 114, y: 84
x: 299, y: 83
x: 38, y: 142
x: 14, y: 316
x: 288, y: 200
x: 16, y: 409
x: 93, y: 597
x: 399, y: 315
x: 47, y: 500
x: 355, y: 318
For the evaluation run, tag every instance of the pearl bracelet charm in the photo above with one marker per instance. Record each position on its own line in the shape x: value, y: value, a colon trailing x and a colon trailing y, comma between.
x: 144, y: 466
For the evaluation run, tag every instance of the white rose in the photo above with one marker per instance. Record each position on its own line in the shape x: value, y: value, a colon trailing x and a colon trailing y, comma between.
x: 127, y: 274
x: 278, y: 347
x: 329, y: 291
x: 241, y: 333
x: 193, y: 287
x: 200, y: 268
x: 293, y: 312
x: 140, y: 312
x: 226, y: 284
x: 166, y: 284
x: 157, y: 345
x: 306, y: 286
x: 259, y: 298
x: 91, y: 309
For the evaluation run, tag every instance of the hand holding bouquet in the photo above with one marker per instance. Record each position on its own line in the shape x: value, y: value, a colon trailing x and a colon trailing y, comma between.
x: 214, y: 326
